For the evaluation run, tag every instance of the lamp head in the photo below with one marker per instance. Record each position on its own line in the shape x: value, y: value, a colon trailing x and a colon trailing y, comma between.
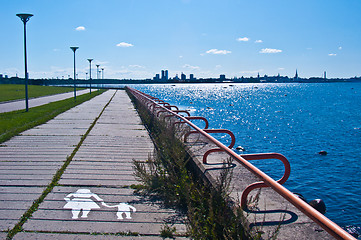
x: 24, y: 16
x: 90, y: 60
x: 97, y: 65
x: 74, y: 48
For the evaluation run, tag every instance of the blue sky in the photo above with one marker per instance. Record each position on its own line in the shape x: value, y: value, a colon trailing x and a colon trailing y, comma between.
x: 138, y: 38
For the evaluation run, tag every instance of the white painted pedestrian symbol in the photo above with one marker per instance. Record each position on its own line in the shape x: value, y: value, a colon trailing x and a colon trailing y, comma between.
x: 122, y: 208
x: 83, y: 200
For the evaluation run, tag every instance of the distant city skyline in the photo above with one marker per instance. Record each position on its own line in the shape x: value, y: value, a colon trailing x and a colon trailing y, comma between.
x: 135, y: 39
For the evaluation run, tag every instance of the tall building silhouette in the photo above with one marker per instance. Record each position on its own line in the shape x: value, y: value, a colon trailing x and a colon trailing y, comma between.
x: 183, y: 77
x: 164, y: 76
x: 296, y: 76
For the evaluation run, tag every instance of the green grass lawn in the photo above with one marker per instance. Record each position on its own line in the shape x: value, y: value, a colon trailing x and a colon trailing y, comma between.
x: 13, y: 123
x: 17, y: 91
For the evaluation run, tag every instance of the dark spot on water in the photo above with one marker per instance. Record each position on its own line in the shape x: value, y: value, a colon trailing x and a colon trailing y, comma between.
x: 323, y: 153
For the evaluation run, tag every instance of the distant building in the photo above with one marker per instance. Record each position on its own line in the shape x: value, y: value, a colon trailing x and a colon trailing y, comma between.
x: 191, y: 77
x: 156, y: 78
x: 222, y: 77
x: 183, y: 77
x: 296, y: 76
x: 164, y: 75
x: 324, y: 75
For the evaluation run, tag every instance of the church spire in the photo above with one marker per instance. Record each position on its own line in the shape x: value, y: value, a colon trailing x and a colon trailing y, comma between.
x: 296, y: 75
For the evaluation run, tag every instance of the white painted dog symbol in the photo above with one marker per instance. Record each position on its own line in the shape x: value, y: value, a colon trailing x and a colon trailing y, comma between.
x: 82, y: 200
x: 122, y: 208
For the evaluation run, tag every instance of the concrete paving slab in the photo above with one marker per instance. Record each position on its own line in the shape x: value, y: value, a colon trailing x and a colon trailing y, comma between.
x: 45, y: 141
x: 7, y: 224
x: 16, y: 204
x: 3, y: 235
x: 104, y: 227
x: 22, y: 172
x: 29, y: 165
x: 25, y: 182
x: 77, y: 236
x: 13, y: 204
x: 54, y: 132
x: 34, y: 176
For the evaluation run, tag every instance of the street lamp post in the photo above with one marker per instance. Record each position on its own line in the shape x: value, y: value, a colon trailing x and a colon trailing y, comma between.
x: 98, y: 71
x: 74, y: 49
x: 25, y: 18
x: 90, y: 72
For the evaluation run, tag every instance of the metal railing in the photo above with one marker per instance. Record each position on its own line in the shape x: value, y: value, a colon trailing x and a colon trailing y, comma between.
x: 332, y: 228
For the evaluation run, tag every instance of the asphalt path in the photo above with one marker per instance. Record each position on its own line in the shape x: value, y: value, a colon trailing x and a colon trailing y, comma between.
x: 34, y: 102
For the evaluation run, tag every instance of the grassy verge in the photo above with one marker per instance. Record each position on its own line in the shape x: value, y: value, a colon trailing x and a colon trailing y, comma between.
x: 10, y: 92
x: 13, y: 123
x: 170, y: 175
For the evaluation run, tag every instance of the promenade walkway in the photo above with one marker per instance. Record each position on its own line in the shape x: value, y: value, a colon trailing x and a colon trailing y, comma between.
x: 34, y: 102
x: 95, y: 144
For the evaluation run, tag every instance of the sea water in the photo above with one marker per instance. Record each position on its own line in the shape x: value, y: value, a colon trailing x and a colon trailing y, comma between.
x: 297, y: 120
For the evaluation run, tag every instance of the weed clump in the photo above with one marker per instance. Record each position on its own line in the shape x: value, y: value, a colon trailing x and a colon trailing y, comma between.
x: 169, y: 174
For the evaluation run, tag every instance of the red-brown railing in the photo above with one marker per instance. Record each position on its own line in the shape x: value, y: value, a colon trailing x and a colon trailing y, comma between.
x: 331, y: 227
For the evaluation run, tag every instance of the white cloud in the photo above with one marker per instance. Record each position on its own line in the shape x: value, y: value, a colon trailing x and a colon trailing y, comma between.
x: 124, y: 44
x: 258, y: 41
x: 270, y: 50
x: 332, y: 54
x: 244, y: 39
x: 218, y: 66
x: 188, y: 66
x: 181, y: 56
x: 80, y: 28
x: 216, y: 51
x: 339, y: 48
x: 136, y: 66
x: 281, y: 68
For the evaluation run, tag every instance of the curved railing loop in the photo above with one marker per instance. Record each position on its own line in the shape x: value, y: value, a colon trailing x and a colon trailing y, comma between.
x: 161, y: 111
x: 205, y: 155
x: 194, y: 118
x: 170, y: 107
x: 263, y: 156
x: 199, y: 118
x: 182, y: 111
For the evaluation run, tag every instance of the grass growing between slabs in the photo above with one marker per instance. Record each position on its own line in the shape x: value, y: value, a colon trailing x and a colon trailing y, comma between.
x: 10, y: 92
x: 13, y: 123
x: 171, y: 176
